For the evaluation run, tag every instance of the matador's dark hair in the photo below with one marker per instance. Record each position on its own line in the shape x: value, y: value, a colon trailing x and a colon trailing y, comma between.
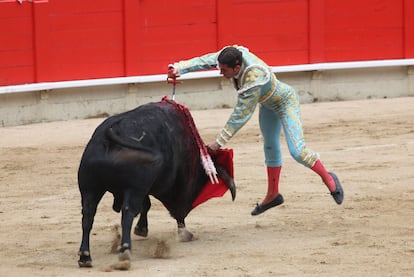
x: 230, y: 56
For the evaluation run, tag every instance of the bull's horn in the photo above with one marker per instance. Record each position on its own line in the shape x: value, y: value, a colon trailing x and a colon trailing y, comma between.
x: 232, y: 187
x: 228, y: 181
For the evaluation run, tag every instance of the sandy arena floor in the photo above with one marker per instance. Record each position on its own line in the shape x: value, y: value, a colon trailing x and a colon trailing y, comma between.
x: 369, y: 144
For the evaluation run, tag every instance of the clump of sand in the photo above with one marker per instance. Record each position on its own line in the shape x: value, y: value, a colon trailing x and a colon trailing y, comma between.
x: 162, y: 249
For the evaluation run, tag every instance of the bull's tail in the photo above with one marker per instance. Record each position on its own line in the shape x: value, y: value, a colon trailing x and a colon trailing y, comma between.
x: 139, y: 155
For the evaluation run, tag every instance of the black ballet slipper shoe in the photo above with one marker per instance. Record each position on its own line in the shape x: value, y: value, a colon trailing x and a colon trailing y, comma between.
x: 338, y: 193
x: 262, y: 208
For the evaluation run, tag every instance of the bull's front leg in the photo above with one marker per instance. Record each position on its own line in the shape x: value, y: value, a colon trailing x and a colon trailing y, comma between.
x: 141, y: 229
x: 183, y: 234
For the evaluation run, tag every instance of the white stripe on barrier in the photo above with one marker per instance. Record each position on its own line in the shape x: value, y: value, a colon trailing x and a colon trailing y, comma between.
x: 199, y: 75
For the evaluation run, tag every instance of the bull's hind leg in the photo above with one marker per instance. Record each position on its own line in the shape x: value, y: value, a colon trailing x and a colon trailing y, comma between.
x: 126, y: 223
x: 89, y: 205
x: 141, y: 229
x: 131, y: 207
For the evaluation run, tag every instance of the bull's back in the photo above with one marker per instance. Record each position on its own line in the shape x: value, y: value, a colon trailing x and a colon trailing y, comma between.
x: 149, y: 140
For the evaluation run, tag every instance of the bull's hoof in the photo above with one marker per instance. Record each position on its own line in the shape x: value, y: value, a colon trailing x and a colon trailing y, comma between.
x: 125, y: 256
x: 124, y: 253
x: 85, y: 259
x: 142, y: 232
x: 184, y: 235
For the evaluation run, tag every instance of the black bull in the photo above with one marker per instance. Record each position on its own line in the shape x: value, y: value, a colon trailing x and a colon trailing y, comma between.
x: 146, y: 151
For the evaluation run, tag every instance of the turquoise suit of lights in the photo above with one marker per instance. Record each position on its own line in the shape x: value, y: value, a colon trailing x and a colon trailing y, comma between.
x: 279, y: 107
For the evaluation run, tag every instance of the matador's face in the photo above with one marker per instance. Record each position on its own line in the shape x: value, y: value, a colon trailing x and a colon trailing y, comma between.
x: 229, y: 72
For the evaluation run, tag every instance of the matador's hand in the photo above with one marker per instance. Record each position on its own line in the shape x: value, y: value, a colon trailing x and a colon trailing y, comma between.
x: 173, y: 71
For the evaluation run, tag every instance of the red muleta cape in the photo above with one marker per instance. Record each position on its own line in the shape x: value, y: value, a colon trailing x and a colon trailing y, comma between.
x: 224, y: 158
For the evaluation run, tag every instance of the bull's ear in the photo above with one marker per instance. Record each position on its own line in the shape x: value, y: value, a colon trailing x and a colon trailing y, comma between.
x: 228, y: 180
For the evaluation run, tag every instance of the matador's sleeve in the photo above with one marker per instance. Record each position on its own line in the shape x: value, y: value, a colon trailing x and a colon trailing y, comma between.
x: 246, y: 104
x: 204, y: 62
x: 254, y: 82
x: 243, y: 111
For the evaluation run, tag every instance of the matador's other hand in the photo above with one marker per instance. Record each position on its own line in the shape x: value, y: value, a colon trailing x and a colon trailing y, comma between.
x: 213, y: 147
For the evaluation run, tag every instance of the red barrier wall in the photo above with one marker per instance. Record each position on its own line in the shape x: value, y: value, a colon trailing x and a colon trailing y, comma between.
x: 57, y: 40
x: 16, y: 44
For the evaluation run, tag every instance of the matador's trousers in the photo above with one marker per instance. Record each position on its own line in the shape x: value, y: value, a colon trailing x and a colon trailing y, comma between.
x: 282, y: 109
